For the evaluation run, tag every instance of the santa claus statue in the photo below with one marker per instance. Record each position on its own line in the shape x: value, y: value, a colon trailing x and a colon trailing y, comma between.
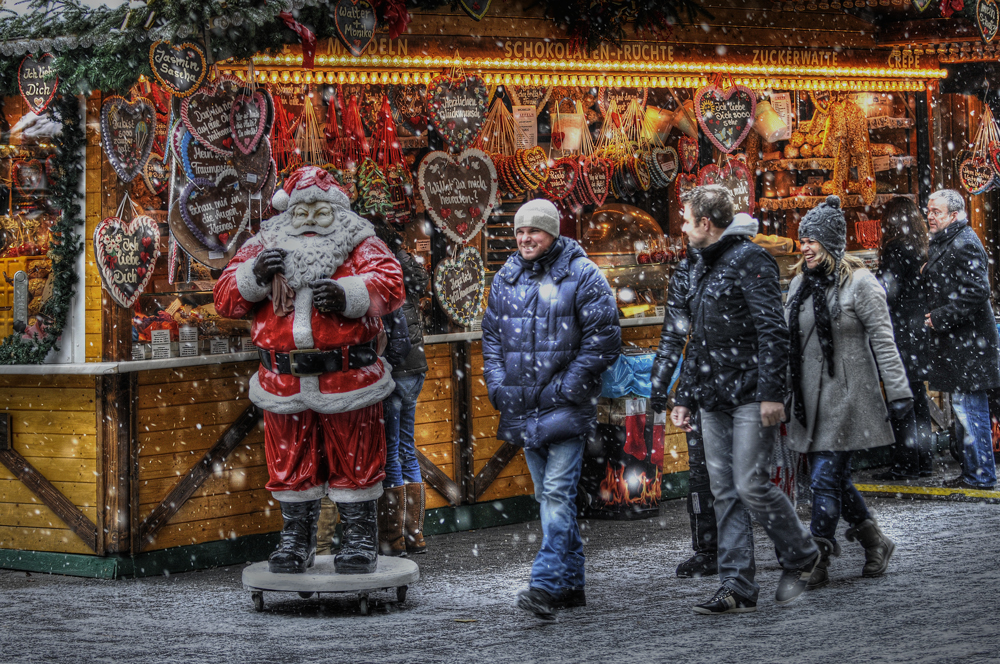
x: 317, y: 280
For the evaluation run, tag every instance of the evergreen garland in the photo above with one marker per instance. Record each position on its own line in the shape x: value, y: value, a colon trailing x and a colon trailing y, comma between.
x: 65, y: 245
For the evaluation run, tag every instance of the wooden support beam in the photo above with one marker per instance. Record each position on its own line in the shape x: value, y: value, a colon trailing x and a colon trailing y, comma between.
x: 497, y: 463
x: 51, y: 497
x: 461, y: 408
x: 117, y: 459
x: 439, y: 481
x: 197, y: 475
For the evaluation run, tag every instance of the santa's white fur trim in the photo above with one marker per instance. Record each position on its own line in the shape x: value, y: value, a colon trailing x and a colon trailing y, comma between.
x: 358, y: 299
x: 306, y: 496
x: 310, y: 398
x: 280, y: 200
x: 247, y: 284
x: 355, y: 495
x: 302, y: 329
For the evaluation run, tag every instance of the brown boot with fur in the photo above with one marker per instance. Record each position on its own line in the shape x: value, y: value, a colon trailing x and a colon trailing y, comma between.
x: 413, y: 531
x: 391, y: 512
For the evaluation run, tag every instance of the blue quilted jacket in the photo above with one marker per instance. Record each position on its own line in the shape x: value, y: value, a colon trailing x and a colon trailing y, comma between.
x: 550, y: 330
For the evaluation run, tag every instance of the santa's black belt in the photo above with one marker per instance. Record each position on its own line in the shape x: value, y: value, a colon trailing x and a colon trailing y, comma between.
x: 312, y: 362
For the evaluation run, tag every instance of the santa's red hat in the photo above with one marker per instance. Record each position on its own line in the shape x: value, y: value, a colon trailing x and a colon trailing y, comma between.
x: 309, y: 184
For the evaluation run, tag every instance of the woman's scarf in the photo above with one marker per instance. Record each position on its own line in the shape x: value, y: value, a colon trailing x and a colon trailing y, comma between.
x: 814, y: 283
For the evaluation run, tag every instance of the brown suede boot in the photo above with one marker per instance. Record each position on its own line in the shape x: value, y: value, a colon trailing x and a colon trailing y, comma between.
x: 413, y: 529
x: 390, y: 521
x: 878, y: 547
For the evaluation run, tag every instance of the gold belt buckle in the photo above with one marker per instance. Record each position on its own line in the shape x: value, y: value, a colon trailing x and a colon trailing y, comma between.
x: 292, y: 354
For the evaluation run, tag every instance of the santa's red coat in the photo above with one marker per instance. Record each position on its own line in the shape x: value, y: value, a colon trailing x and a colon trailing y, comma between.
x: 373, y: 282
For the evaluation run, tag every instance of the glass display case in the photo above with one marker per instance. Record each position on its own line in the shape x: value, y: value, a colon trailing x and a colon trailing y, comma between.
x: 634, y: 255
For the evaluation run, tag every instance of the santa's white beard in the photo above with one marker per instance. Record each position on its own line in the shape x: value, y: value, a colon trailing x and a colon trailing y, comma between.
x: 316, y: 257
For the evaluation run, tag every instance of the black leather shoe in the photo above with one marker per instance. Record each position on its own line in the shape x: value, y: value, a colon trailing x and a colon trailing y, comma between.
x: 726, y: 600
x: 359, y: 546
x: 570, y: 598
x: 793, y: 582
x: 297, y: 550
x: 538, y: 602
x: 698, y: 565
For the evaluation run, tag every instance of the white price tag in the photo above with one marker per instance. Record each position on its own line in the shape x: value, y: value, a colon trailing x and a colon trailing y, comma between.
x: 159, y: 337
x: 218, y: 346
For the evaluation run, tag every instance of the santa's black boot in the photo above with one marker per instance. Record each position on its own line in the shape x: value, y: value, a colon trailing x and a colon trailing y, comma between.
x: 359, y: 547
x: 297, y: 551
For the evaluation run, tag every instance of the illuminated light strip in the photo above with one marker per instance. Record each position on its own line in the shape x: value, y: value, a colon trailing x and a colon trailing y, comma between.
x: 594, y: 80
x: 589, y: 66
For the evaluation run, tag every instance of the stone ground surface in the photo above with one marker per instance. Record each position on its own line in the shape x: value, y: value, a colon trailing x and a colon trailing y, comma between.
x: 937, y: 603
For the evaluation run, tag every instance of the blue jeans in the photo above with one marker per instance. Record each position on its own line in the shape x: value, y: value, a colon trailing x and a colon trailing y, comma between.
x: 555, y: 470
x: 973, y: 411
x: 738, y: 454
x: 400, y: 409
x: 834, y: 494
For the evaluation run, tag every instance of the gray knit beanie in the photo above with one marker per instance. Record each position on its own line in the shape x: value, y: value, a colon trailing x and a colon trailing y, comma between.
x: 825, y: 224
x: 539, y: 213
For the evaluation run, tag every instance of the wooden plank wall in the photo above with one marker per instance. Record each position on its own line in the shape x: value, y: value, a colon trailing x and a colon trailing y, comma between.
x: 181, y: 414
x: 54, y: 428
x: 92, y: 279
x: 434, y: 428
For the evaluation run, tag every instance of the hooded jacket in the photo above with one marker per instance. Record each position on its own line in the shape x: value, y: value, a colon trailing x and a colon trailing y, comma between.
x: 738, y: 348
x: 549, y: 332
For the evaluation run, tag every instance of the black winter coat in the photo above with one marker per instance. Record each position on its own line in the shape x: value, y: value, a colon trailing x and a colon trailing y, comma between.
x: 399, y: 338
x: 964, y: 345
x: 899, y: 274
x: 415, y: 279
x: 676, y: 323
x: 738, y: 350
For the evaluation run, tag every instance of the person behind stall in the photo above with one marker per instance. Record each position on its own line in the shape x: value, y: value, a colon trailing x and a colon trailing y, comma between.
x: 735, y: 375
x: 550, y: 330
x: 700, y: 502
x: 963, y: 340
x: 903, y: 252
x: 841, y: 337
x: 404, y: 498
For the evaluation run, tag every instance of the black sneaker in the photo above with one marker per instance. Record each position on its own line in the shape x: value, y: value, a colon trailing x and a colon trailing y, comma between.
x: 726, y: 601
x: 698, y: 565
x: 570, y: 598
x: 537, y: 601
x: 793, y: 582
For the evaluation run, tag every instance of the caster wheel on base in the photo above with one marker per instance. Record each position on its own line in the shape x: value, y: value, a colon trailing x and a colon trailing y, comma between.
x: 305, y: 595
x: 363, y: 604
x: 401, y: 594
x: 258, y: 600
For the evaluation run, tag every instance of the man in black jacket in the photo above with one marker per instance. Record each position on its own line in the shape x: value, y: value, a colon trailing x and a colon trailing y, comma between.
x: 735, y: 375
x: 963, y: 333
x: 700, y: 503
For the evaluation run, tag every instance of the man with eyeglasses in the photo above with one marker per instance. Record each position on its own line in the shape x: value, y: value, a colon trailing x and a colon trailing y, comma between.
x: 964, y: 343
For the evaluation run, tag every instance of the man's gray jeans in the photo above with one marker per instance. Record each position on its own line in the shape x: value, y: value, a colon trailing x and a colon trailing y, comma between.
x: 738, y: 453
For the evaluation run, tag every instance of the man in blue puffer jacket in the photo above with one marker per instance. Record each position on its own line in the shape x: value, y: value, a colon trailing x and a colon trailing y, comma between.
x: 550, y: 330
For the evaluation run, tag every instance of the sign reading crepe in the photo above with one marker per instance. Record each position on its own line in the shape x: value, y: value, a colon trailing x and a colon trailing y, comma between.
x: 726, y: 117
x: 36, y: 83
x: 128, y: 130
x: 355, y: 20
x: 126, y: 254
x: 180, y: 68
x: 459, y: 191
x: 459, y: 284
x: 988, y: 18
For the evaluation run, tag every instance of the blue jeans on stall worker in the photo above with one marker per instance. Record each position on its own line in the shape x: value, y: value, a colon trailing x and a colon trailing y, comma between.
x: 834, y: 494
x: 973, y: 411
x: 399, y: 411
x: 555, y: 470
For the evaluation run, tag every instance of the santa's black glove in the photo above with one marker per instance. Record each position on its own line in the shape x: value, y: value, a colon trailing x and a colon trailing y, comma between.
x: 900, y: 408
x: 328, y: 296
x: 269, y: 263
x: 658, y: 404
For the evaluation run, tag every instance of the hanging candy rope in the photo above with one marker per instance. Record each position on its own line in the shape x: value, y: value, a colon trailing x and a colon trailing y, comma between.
x: 282, y: 140
x: 308, y: 138
x: 353, y: 143
x: 389, y: 157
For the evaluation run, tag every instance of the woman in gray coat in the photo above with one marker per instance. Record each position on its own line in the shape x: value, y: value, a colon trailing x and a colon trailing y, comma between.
x: 841, y: 342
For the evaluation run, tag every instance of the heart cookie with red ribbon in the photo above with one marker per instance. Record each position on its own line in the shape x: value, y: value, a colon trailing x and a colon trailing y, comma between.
x: 126, y: 254
x: 128, y: 131
x: 206, y: 114
x: 247, y: 120
x: 459, y: 284
x: 564, y: 174
x: 215, y: 212
x: 725, y: 116
x: 29, y: 176
x: 734, y: 176
x: 459, y: 192
x: 597, y: 172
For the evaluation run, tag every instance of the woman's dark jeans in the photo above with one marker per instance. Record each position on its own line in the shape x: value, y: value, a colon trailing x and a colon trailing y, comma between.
x: 834, y: 494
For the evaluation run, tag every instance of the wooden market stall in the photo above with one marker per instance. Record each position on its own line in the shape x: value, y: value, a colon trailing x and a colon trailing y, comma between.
x: 118, y: 462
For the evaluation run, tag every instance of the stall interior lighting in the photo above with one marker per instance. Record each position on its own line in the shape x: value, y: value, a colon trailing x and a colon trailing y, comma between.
x: 330, y: 77
x: 589, y: 66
